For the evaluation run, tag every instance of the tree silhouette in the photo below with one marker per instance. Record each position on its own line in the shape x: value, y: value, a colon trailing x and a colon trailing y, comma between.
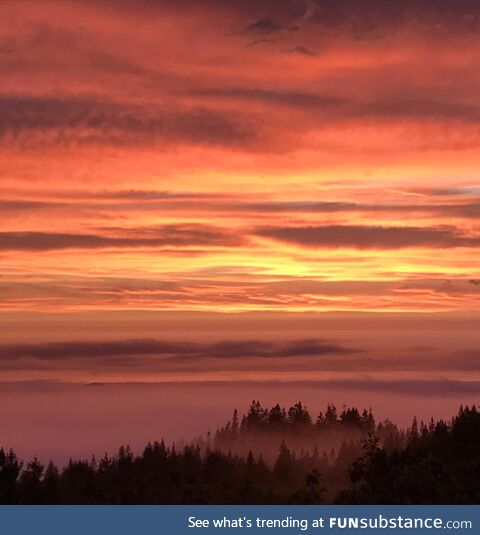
x: 10, y: 468
x: 30, y: 483
x: 345, y: 458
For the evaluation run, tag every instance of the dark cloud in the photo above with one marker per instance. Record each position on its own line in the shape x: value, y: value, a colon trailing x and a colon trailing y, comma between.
x: 253, y: 9
x: 81, y: 120
x: 335, y: 109
x: 67, y: 350
x: 364, y: 18
x: 439, y: 286
x: 311, y: 348
x: 351, y: 17
x: 303, y: 51
x: 288, y: 206
x: 259, y: 42
x: 367, y: 19
x: 18, y: 205
x: 369, y: 237
x: 444, y: 192
x: 286, y: 98
x: 263, y: 26
x: 168, y: 235
x: 296, y: 348
x: 417, y: 108
x: 142, y: 195
x: 43, y: 241
x: 210, y: 202
x: 177, y: 350
x: 36, y: 122
x: 466, y: 210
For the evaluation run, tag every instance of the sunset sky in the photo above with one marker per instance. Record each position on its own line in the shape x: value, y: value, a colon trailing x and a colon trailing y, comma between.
x: 246, y: 193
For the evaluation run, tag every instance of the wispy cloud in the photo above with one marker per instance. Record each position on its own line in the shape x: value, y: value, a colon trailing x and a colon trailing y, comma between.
x: 168, y: 235
x: 369, y: 237
x: 27, y: 119
x: 236, y: 349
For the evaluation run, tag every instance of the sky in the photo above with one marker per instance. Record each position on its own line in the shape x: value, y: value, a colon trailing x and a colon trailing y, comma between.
x: 204, y: 202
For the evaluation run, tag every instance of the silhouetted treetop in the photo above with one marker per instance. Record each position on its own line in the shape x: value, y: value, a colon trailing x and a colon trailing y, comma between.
x: 434, y: 462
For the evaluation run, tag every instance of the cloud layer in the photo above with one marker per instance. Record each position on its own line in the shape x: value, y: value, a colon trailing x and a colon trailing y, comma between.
x: 224, y: 350
x: 233, y: 158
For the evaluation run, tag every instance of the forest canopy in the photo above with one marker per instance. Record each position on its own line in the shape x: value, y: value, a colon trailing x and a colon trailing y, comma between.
x: 272, y: 456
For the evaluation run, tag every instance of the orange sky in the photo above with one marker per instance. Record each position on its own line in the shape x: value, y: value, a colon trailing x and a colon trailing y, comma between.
x: 295, y: 180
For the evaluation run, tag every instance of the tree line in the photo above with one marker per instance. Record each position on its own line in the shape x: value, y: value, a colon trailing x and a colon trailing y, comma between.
x: 340, y: 457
